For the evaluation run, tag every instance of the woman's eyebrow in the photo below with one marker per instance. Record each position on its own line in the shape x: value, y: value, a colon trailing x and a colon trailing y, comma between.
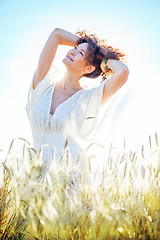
x: 81, y: 49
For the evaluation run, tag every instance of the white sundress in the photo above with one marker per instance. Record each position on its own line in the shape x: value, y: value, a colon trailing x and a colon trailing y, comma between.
x: 74, y: 122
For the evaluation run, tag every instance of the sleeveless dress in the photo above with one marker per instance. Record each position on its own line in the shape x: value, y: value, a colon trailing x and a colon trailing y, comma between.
x: 74, y: 123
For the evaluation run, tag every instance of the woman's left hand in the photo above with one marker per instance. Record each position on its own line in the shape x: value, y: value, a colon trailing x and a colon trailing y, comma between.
x: 103, y: 67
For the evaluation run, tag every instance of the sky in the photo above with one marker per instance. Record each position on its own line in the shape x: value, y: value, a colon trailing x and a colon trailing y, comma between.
x: 130, y: 25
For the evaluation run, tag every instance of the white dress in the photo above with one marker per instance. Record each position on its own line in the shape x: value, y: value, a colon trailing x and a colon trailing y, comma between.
x: 74, y: 123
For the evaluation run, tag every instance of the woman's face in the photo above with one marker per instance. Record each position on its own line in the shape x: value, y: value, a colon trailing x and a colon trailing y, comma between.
x: 75, y: 59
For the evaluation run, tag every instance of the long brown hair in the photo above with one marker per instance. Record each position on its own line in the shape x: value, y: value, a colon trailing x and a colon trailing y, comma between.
x: 98, y: 50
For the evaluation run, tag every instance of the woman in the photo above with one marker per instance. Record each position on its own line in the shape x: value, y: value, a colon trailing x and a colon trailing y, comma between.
x: 63, y: 113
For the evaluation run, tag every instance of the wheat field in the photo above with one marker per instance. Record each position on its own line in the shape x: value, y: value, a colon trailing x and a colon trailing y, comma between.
x: 120, y: 202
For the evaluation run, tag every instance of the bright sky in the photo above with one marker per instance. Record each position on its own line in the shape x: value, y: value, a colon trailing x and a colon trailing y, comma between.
x: 132, y: 25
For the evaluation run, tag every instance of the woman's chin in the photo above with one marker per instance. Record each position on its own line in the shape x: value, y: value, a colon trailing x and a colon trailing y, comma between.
x: 65, y: 61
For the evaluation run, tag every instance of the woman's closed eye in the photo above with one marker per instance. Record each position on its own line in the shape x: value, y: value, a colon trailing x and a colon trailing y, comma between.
x: 80, y: 51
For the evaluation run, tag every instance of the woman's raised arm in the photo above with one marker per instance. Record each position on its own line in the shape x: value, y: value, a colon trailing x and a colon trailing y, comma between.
x: 119, y: 77
x: 57, y: 37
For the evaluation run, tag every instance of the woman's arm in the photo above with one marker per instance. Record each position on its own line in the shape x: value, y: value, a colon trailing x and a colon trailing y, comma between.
x: 119, y: 77
x: 57, y: 37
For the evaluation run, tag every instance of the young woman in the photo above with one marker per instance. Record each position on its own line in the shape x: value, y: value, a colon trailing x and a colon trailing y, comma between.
x: 62, y: 113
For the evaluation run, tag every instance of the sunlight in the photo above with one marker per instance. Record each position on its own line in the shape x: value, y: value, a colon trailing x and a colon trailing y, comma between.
x: 117, y: 195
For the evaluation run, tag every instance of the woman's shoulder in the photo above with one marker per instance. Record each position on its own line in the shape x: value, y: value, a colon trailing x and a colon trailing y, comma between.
x: 93, y: 90
x: 46, y: 82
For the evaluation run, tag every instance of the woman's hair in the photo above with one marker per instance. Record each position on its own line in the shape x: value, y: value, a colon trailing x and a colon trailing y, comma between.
x: 97, y: 51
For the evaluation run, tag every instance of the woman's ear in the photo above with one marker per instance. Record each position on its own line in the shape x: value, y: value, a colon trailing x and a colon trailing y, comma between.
x: 89, y: 69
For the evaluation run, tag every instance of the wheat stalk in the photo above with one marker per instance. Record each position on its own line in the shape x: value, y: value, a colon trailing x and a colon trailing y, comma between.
x: 120, y: 202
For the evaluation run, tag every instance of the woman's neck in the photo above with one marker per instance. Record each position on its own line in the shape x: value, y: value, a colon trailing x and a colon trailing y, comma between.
x: 71, y: 81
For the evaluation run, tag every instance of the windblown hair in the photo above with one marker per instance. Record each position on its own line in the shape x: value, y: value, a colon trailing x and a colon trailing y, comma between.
x: 98, y: 50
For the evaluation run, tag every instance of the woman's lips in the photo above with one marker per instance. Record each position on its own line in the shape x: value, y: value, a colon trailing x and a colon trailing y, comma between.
x: 69, y: 58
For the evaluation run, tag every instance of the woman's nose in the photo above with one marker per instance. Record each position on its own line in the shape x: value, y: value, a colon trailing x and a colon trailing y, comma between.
x: 72, y: 52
